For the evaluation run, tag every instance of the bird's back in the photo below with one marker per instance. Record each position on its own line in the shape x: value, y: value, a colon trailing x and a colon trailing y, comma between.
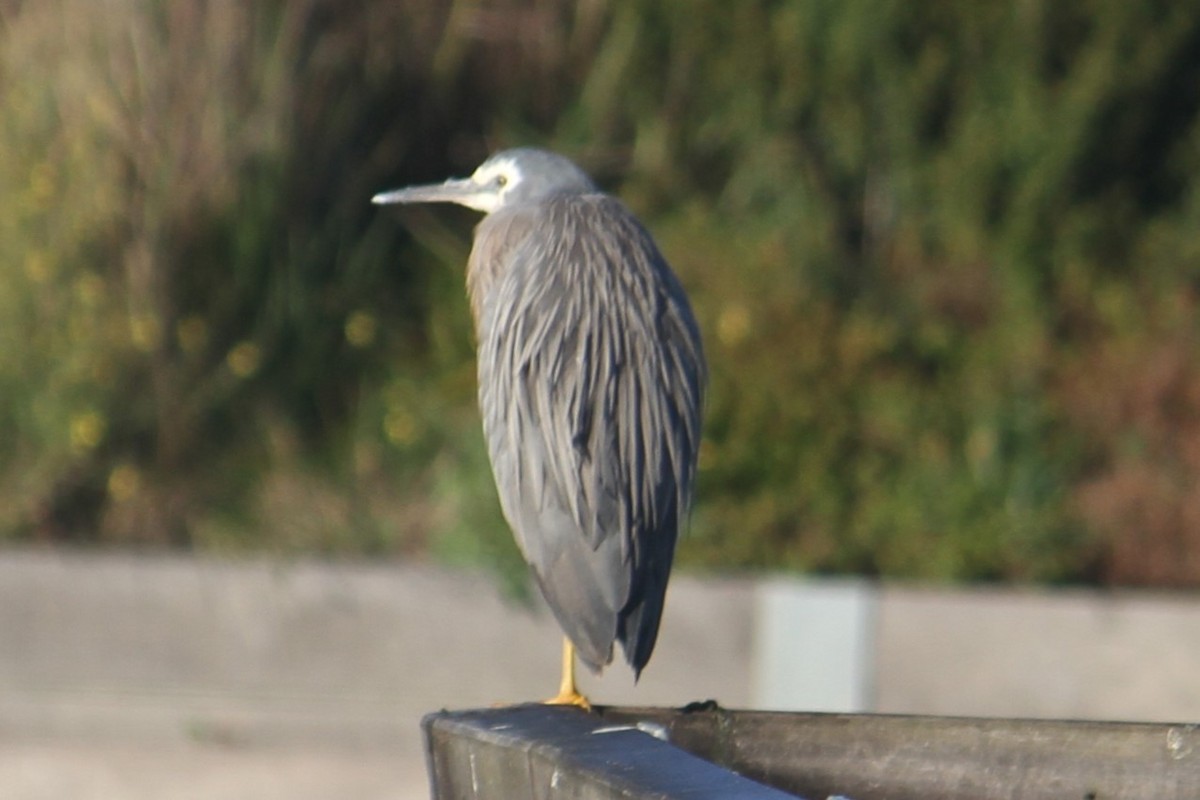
x: 591, y: 375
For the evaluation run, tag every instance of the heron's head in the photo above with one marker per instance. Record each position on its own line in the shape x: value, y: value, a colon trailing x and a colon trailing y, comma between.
x: 510, y: 177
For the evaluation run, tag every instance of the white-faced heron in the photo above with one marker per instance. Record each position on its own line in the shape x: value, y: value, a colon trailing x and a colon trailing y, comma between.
x: 591, y: 377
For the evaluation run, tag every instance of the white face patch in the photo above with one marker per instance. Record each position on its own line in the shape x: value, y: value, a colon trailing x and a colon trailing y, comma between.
x: 494, y: 180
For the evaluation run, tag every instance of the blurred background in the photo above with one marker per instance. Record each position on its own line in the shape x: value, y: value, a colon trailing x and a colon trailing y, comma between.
x: 945, y: 256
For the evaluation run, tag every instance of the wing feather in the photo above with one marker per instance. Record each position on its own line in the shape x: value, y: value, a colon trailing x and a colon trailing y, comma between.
x: 590, y: 377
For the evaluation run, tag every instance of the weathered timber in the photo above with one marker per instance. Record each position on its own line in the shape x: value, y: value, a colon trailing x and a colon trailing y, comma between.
x: 871, y: 757
x: 538, y: 751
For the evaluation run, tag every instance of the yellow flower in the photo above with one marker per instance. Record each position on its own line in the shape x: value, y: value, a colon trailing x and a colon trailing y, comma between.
x: 244, y: 359
x: 124, y: 482
x: 733, y: 325
x: 87, y: 430
x: 399, y: 426
x: 143, y: 331
x: 361, y: 328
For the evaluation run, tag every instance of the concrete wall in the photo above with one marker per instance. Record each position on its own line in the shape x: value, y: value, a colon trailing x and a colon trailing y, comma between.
x: 226, y: 659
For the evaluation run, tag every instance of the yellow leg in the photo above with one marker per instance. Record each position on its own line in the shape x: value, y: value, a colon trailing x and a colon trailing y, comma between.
x: 568, y: 694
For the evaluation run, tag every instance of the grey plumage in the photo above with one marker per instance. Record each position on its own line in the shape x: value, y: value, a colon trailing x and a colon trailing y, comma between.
x: 591, y: 376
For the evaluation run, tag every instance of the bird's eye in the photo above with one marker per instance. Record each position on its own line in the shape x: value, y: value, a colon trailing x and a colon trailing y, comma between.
x: 502, y: 181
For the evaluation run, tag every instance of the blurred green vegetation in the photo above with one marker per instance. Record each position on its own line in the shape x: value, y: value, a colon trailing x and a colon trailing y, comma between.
x: 945, y: 256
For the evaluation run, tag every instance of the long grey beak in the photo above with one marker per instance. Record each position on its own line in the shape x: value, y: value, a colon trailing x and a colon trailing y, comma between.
x: 455, y: 190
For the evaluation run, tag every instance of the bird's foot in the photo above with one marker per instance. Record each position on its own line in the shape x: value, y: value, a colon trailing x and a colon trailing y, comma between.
x: 568, y: 695
x: 569, y: 698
